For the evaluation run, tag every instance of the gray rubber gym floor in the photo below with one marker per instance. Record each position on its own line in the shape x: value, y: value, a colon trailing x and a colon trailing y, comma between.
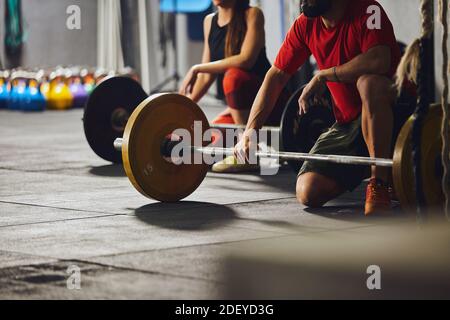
x: 60, y: 205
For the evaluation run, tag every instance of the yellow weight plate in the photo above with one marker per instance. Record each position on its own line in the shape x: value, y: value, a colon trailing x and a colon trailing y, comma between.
x: 149, y: 125
x: 431, y: 162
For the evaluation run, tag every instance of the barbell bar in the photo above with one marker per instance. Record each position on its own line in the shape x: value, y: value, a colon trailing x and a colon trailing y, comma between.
x: 288, y: 156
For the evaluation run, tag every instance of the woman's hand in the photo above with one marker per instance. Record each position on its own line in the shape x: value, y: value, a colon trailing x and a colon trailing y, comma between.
x: 189, y: 81
x: 312, y: 93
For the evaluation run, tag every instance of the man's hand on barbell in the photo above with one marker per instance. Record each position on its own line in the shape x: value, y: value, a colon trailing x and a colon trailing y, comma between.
x: 243, y: 148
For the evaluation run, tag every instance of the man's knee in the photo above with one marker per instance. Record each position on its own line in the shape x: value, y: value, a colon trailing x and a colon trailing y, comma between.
x: 309, y: 191
x: 375, y: 90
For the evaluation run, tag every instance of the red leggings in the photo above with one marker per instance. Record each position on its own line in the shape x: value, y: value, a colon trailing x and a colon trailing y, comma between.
x: 240, y: 88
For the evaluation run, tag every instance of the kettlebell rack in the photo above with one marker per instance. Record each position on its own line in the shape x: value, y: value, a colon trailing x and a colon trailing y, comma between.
x: 59, y: 88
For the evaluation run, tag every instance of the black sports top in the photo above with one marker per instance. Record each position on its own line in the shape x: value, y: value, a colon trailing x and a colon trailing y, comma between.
x: 217, y: 37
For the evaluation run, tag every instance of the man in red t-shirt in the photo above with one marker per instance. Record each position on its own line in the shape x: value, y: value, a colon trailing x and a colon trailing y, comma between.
x: 356, y: 50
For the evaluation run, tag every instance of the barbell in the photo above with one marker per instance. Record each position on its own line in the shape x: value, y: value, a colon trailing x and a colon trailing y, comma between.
x: 144, y: 149
x: 114, y: 100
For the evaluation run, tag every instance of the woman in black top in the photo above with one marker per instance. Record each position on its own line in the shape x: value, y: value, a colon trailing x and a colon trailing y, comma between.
x: 235, y: 54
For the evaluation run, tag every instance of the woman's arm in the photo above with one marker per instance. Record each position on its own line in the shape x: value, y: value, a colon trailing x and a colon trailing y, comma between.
x: 204, y: 80
x: 252, y: 45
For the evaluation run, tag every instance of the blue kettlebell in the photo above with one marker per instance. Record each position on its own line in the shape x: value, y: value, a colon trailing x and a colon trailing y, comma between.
x: 25, y: 101
x: 24, y: 95
x: 4, y: 89
x: 36, y: 98
x: 15, y: 101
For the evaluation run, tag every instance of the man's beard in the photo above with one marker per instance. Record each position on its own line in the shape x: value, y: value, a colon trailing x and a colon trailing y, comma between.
x: 312, y: 11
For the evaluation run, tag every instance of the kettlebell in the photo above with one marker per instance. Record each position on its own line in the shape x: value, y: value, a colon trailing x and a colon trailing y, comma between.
x: 59, y: 95
x: 25, y: 97
x: 37, y: 99
x: 4, y: 89
x: 17, y: 97
x: 77, y: 90
x: 44, y: 85
x: 88, y: 80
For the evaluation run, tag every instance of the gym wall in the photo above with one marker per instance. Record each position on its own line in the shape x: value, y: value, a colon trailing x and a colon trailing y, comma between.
x: 274, y: 32
x: 49, y: 42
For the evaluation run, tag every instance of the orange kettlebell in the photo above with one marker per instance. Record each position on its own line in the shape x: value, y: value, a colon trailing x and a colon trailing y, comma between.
x: 88, y: 80
x: 44, y: 84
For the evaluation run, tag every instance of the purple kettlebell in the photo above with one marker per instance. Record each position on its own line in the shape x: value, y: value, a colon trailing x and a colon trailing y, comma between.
x: 78, y: 91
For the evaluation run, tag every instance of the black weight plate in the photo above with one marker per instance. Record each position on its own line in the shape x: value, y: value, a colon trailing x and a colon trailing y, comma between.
x: 300, y: 133
x: 105, y: 114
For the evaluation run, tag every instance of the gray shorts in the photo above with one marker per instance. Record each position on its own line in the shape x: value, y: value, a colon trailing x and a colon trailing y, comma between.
x: 341, y: 139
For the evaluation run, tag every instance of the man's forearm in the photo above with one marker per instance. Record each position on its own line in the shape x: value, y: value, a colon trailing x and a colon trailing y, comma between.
x: 266, y: 98
x: 375, y: 61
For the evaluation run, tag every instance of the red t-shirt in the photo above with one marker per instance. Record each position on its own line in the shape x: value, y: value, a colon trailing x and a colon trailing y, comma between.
x: 336, y: 46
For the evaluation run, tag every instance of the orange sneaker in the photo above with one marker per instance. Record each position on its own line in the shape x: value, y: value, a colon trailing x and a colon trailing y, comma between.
x: 378, y: 199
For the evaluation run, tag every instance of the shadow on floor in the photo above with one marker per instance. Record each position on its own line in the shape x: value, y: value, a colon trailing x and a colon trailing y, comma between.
x: 354, y: 212
x: 187, y: 216
x: 285, y: 180
x: 111, y: 170
x: 202, y: 216
x: 341, y: 212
